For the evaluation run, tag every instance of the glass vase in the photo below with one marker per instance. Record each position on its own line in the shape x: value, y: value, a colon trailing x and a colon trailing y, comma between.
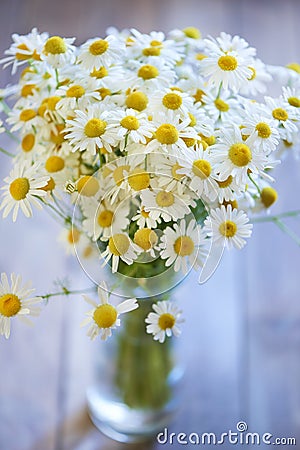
x: 135, y: 392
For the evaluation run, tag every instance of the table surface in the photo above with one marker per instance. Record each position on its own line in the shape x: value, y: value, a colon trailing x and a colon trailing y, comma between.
x: 241, y: 339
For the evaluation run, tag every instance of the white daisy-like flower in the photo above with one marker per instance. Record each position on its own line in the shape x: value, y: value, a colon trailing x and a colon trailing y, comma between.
x: 171, y: 99
x: 226, y: 67
x: 16, y: 300
x: 105, y: 218
x: 228, y: 190
x: 263, y: 131
x: 170, y: 132
x: 143, y: 219
x: 23, y: 189
x: 58, y: 51
x: 25, y: 118
x: 166, y: 169
x: 292, y: 96
x: 166, y: 205
x: 229, y: 43
x: 231, y: 155
x: 223, y: 107
x: 76, y: 96
x: 72, y: 240
x: 197, y: 165
x: 104, y: 317
x: 164, y: 321
x: 89, y: 130
x: 284, y: 115
x: 24, y: 48
x: 130, y: 126
x: 228, y: 227
x: 184, y: 246
x: 120, y: 246
x: 98, y: 52
x: 259, y: 78
x: 150, y: 76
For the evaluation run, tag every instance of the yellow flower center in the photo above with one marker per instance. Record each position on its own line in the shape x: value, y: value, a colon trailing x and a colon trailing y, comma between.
x: 27, y: 90
x: 192, y: 32
x: 55, y: 45
x: 21, y: 56
x: 27, y: 114
x: 240, y: 154
x: 193, y: 121
x: 155, y: 43
x: 28, y: 142
x: 104, y: 92
x: 253, y: 73
x: 105, y: 316
x: 166, y: 321
x: 98, y: 47
x: 87, y: 186
x: 233, y: 203
x: 200, y: 56
x: 148, y: 72
x: 58, y: 138
x: 172, y: 101
x: 210, y: 140
x: 130, y: 122
x: 167, y: 134
x: 263, y: 130
x: 76, y: 91
x: 189, y: 142
x: 228, y: 229
x: 175, y: 175
x: 165, y: 199
x: 119, y: 174
x: 268, y: 196
x: 49, y: 186
x: 139, y: 179
x: 221, y: 105
x: 227, y: 63
x: 118, y: 244
x: 184, y: 246
x: 294, y: 101
x: 99, y: 73
x: 137, y: 100
x: 144, y: 213
x: 145, y: 238
x: 105, y: 218
x: 10, y: 305
x: 280, y: 114
x: 73, y: 236
x: 201, y: 168
x: 294, y: 66
x: 19, y: 188
x: 54, y: 164
x: 95, y: 128
x: 198, y: 95
x: 151, y: 51
x: 225, y: 183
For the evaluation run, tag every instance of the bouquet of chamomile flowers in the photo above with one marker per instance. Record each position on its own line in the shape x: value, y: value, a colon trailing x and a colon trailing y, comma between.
x: 151, y: 150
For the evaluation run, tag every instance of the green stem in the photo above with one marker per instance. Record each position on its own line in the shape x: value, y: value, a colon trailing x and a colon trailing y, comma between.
x: 274, y: 218
x: 11, y: 135
x: 7, y: 153
x: 287, y: 230
x: 66, y: 291
x: 255, y: 184
x: 6, y: 108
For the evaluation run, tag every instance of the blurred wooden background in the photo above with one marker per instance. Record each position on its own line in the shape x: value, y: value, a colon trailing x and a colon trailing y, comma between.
x: 241, y: 339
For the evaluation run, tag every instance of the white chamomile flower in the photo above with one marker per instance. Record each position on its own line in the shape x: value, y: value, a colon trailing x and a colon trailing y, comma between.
x: 104, y: 317
x: 23, y: 189
x: 226, y: 67
x: 164, y: 321
x: 105, y: 218
x: 228, y: 189
x: 72, y: 240
x: 229, y: 43
x: 150, y: 76
x: 166, y: 205
x: 263, y: 132
x: 89, y: 131
x: 231, y: 155
x: 171, y: 99
x: 223, y: 107
x: 257, y: 81
x: 130, y: 126
x: 170, y: 132
x: 75, y: 96
x: 120, y: 246
x: 166, y: 168
x: 143, y: 219
x: 228, y: 227
x: 197, y: 165
x: 24, y: 48
x: 16, y: 300
x: 284, y: 115
x: 292, y: 96
x: 25, y: 119
x: 58, y: 51
x: 183, y: 246
x: 98, y: 52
